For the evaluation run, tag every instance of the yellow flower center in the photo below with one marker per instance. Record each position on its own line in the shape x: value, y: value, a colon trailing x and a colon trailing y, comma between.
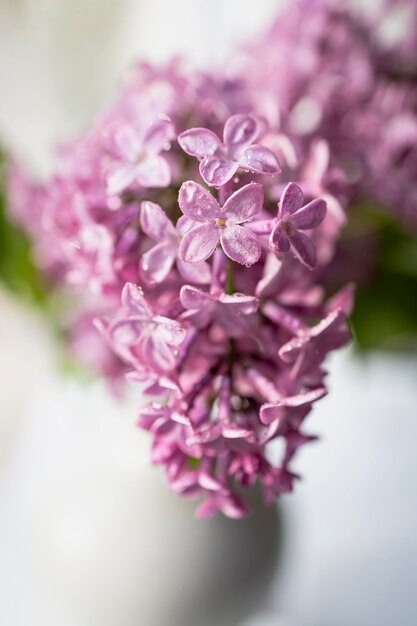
x: 220, y: 222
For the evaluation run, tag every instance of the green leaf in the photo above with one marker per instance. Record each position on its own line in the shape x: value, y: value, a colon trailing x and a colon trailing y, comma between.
x: 17, y: 268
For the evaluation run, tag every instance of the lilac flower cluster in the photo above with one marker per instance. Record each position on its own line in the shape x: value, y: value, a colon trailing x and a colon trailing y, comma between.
x: 192, y: 257
x: 350, y: 80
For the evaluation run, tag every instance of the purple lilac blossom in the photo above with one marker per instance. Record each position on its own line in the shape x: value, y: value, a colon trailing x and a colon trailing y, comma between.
x: 189, y: 302
x: 220, y: 224
x: 220, y: 161
x: 292, y: 218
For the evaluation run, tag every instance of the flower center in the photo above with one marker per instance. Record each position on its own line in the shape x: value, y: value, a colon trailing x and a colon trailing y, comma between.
x: 287, y: 227
x: 220, y: 222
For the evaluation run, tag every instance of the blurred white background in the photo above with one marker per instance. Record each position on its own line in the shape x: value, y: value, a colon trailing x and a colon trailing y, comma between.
x: 77, y: 496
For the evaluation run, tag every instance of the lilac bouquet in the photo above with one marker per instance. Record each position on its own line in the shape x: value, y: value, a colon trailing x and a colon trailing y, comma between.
x: 196, y: 222
x: 189, y: 229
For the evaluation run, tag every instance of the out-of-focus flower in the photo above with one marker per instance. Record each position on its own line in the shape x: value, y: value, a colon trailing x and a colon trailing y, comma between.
x: 224, y: 309
x: 158, y: 261
x: 137, y: 157
x: 140, y: 336
x: 308, y: 348
x: 292, y: 218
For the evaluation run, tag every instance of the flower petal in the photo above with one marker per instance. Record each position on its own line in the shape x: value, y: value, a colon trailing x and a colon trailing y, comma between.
x: 217, y: 171
x: 153, y: 171
x: 197, y: 203
x: 158, y: 137
x: 317, y: 162
x: 171, y: 331
x: 233, y: 325
x: 199, y: 243
x: 278, y: 240
x: 303, y: 249
x: 199, y: 142
x: 126, y: 142
x: 120, y: 177
x: 240, y: 245
x: 156, y: 352
x: 343, y: 299
x: 240, y: 130
x: 310, y: 216
x: 184, y: 224
x: 304, y: 398
x: 154, y: 222
x: 291, y: 200
x: 126, y: 331
x: 156, y: 264
x: 228, y: 504
x: 245, y: 203
x: 194, y: 298
x: 270, y: 413
x: 239, y: 303
x: 198, y: 273
x: 259, y: 159
x: 332, y: 331
x: 134, y: 301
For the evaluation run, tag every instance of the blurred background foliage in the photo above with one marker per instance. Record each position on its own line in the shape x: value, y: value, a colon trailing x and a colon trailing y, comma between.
x: 383, y: 263
x: 17, y: 268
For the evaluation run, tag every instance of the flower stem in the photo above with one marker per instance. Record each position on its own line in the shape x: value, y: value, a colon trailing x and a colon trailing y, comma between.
x: 230, y: 287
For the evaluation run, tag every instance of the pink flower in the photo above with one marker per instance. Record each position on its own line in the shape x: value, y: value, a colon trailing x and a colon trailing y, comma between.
x: 226, y: 310
x: 220, y: 223
x: 91, y: 258
x: 310, y: 346
x: 227, y: 503
x: 220, y: 161
x: 138, y: 159
x: 140, y: 336
x: 292, y: 218
x: 289, y: 408
x: 157, y: 262
x: 231, y: 373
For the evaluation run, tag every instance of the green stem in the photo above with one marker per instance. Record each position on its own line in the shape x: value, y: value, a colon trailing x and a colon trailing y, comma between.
x: 230, y: 288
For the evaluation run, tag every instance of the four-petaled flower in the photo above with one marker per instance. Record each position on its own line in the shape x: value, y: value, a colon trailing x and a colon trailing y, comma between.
x: 220, y: 223
x: 227, y: 310
x: 140, y: 336
x: 157, y: 262
x: 138, y: 159
x: 220, y: 161
x: 292, y: 218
